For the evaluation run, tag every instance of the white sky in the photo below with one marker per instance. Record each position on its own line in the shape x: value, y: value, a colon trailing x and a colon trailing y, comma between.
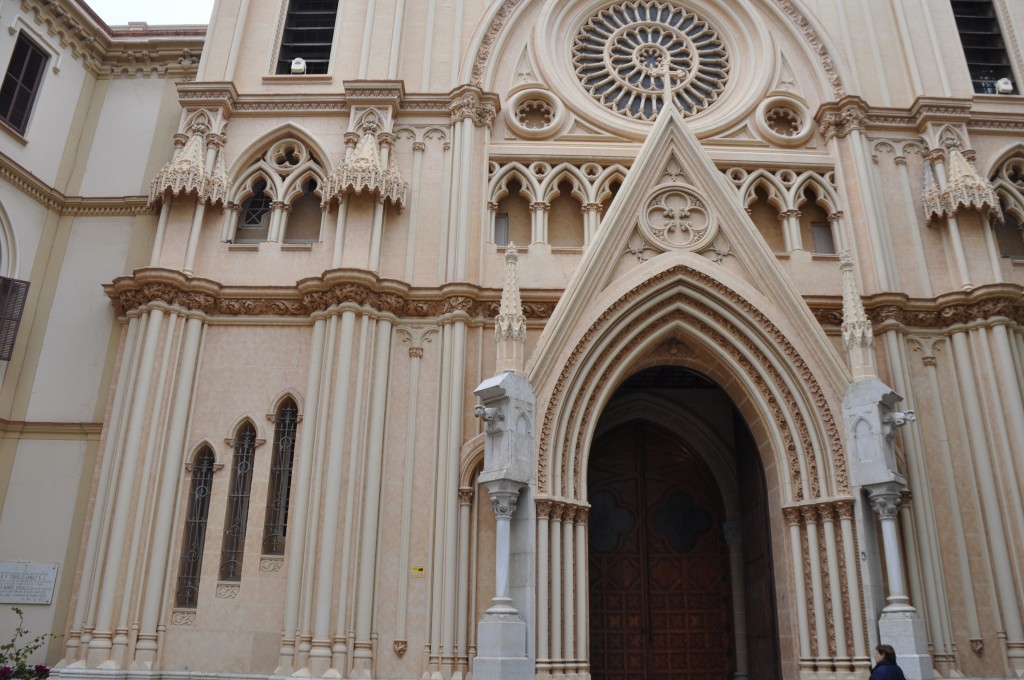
x: 120, y: 12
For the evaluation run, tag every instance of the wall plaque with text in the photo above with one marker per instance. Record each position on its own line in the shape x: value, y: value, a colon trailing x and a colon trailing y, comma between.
x: 27, y: 582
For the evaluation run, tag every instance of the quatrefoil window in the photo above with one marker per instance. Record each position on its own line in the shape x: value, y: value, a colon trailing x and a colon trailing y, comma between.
x: 676, y: 218
x: 620, y: 55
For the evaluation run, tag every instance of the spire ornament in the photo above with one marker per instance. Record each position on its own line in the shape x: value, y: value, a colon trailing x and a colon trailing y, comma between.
x: 186, y: 173
x: 966, y: 189
x: 365, y: 170
x: 931, y: 196
x: 510, y: 324
x: 858, y: 335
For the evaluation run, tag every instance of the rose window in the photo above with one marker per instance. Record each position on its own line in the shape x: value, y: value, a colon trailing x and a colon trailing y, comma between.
x: 621, y: 55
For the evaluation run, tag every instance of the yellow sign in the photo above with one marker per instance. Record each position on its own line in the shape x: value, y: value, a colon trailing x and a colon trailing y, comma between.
x: 419, y: 572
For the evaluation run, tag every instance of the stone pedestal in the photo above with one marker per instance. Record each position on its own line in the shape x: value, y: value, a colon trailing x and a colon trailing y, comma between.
x: 904, y: 630
x: 501, y: 649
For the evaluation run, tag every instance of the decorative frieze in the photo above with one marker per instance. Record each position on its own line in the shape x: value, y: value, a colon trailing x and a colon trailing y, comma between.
x: 980, y: 304
x: 145, y: 286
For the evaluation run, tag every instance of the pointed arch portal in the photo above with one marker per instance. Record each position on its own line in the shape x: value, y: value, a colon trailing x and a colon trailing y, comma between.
x: 680, y: 564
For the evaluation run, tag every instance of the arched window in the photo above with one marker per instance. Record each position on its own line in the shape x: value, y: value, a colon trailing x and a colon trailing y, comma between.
x: 1010, y: 233
x: 305, y: 217
x: 815, y: 228
x: 254, y: 221
x: 275, y: 527
x: 236, y: 517
x: 190, y: 565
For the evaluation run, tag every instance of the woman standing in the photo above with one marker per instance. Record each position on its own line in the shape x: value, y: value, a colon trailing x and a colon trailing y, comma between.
x: 885, y: 664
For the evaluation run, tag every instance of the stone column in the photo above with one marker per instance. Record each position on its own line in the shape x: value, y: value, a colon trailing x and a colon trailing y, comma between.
x: 792, y: 516
x: 790, y: 220
x: 539, y: 222
x: 899, y: 625
x: 173, y: 466
x: 734, y: 539
x: 304, y: 468
x: 507, y: 409
x: 101, y: 643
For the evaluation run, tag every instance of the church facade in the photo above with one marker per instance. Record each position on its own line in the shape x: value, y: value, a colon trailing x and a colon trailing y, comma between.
x: 515, y: 338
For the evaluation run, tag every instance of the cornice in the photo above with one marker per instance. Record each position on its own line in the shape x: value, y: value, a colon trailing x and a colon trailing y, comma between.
x: 21, y: 429
x: 105, y: 52
x: 316, y: 294
x: 838, y: 118
x: 224, y: 96
x: 53, y: 199
x: 889, y: 310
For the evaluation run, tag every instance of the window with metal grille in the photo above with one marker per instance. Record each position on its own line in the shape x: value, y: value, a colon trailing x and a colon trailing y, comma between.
x: 13, y: 294
x: 308, y: 34
x: 21, y: 83
x: 190, y: 565
x: 275, y: 527
x: 982, y: 40
x: 236, y: 517
x: 255, y: 220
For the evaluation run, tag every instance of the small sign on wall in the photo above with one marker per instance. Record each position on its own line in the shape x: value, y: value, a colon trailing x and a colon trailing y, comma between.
x: 418, y: 572
x: 27, y: 582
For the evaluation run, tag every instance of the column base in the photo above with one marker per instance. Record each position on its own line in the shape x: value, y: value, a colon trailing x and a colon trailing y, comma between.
x: 501, y: 649
x: 904, y: 630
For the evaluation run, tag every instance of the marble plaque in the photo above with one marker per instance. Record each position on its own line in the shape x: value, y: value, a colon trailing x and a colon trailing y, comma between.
x: 27, y: 582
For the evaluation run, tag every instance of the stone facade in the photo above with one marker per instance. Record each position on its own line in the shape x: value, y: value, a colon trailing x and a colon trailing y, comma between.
x: 260, y: 304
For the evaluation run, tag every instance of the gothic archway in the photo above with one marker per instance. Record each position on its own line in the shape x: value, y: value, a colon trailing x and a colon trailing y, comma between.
x: 679, y: 556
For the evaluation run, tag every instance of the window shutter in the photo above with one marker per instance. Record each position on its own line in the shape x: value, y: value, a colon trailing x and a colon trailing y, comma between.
x: 13, y: 294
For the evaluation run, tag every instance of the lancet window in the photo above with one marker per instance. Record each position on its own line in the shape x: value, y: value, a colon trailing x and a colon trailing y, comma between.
x: 190, y: 564
x: 279, y: 197
x: 791, y: 211
x: 1008, y: 183
x: 560, y: 206
x: 279, y: 491
x: 236, y: 517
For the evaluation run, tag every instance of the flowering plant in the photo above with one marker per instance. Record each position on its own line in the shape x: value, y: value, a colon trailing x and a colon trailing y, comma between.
x: 14, y: 656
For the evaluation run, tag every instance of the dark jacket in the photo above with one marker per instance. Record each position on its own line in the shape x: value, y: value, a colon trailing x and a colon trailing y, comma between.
x: 887, y: 670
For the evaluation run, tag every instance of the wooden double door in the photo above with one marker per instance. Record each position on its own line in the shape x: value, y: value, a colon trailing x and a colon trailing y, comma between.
x: 660, y: 588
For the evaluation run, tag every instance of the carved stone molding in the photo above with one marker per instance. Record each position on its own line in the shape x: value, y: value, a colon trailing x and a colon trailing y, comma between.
x: 842, y: 118
x: 400, y: 647
x: 980, y: 304
x: 107, y: 52
x: 271, y: 564
x: 483, y: 53
x: 183, y: 617
x: 470, y: 104
x: 760, y: 370
x: 544, y: 507
x: 504, y: 503
x: 318, y: 294
x: 228, y: 590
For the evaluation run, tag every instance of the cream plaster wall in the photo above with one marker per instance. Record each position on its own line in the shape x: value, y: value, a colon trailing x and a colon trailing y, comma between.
x: 74, y: 349
x: 49, y: 469
x: 26, y: 224
x: 125, y: 132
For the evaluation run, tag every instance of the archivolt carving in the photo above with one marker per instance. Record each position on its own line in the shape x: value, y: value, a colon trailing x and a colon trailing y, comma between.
x: 757, y: 374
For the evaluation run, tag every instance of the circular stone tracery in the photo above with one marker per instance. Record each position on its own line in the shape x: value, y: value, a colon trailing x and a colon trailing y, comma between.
x: 621, y: 52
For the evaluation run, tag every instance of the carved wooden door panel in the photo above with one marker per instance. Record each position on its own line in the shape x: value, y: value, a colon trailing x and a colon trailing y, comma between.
x: 660, y: 596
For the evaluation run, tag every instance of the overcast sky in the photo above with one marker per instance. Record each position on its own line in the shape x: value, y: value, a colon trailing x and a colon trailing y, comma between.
x: 120, y: 12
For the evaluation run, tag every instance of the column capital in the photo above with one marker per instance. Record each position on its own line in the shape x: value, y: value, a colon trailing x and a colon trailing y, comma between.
x: 544, y: 507
x: 885, y: 499
x: 504, y: 503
